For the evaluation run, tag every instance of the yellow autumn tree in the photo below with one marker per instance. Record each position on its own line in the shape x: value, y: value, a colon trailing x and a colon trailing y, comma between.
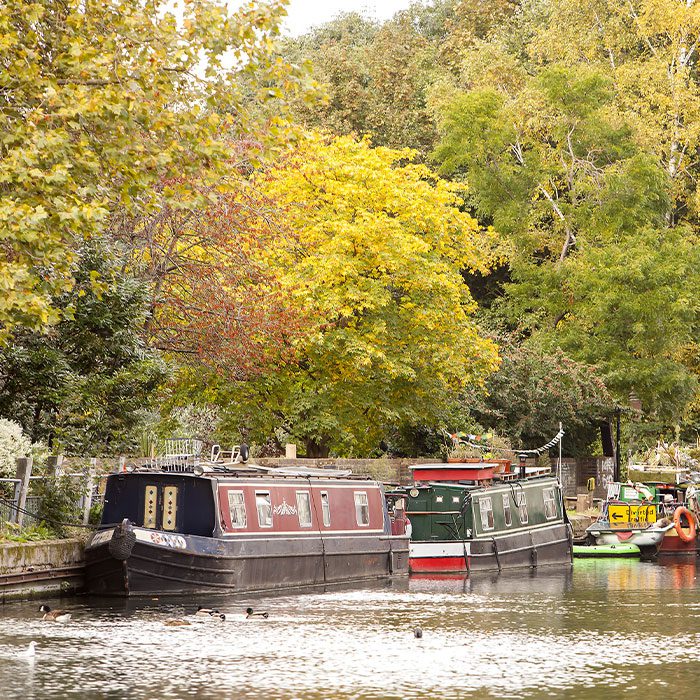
x: 375, y: 262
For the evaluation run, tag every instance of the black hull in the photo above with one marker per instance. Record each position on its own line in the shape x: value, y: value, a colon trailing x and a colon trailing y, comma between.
x: 208, y: 565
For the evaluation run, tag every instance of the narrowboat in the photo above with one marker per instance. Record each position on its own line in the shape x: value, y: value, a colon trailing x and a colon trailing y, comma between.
x: 214, y: 528
x: 480, y: 516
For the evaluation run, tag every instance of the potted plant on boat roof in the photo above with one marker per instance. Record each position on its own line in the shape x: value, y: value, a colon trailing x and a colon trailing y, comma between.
x: 465, y: 447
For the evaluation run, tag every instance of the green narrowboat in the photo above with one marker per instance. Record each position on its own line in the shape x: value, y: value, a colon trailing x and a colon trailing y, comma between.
x: 467, y: 517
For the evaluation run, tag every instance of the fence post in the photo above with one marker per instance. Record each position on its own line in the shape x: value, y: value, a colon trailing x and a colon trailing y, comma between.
x: 89, y: 486
x: 24, y: 471
x: 54, y: 464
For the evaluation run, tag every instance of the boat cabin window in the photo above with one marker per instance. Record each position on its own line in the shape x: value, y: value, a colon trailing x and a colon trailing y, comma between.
x: 236, y: 506
x: 149, y: 513
x: 264, y: 505
x: 361, y: 508
x: 550, y: 504
x: 326, y: 508
x: 507, y: 515
x: 486, y: 509
x: 304, y: 508
x: 521, y: 502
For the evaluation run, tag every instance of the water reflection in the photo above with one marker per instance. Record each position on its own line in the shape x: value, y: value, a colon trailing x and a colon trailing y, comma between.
x: 601, y: 629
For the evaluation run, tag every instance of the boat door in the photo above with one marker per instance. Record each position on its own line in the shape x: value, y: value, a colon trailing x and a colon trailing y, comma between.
x: 160, y: 506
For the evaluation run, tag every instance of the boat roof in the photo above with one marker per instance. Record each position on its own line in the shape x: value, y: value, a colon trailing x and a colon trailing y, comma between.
x: 218, y: 470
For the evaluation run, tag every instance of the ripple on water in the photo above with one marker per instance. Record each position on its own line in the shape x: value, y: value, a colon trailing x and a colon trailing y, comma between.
x: 579, y: 634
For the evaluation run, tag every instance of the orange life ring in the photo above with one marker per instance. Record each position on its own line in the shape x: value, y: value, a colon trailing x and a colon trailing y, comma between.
x: 685, y: 535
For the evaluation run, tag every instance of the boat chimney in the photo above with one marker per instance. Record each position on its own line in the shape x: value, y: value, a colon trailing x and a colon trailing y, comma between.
x: 522, y: 458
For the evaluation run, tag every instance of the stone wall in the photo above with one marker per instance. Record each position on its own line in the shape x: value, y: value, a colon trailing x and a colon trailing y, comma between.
x: 31, y: 569
x: 575, y: 470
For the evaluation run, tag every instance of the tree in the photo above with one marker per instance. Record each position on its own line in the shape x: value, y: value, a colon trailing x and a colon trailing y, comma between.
x: 85, y: 384
x: 375, y: 78
x: 103, y: 102
x: 585, y: 211
x: 535, y: 390
x: 212, y: 299
x: 376, y: 265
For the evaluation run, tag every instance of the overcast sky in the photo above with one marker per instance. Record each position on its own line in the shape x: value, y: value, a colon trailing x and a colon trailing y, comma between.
x: 303, y: 14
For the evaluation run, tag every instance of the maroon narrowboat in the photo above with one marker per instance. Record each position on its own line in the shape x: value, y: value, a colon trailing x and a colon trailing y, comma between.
x: 225, y: 529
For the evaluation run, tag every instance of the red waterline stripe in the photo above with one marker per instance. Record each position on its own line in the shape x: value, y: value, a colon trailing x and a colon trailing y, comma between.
x: 418, y: 564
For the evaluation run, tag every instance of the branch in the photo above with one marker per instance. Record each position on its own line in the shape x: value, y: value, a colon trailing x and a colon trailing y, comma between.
x: 570, y: 237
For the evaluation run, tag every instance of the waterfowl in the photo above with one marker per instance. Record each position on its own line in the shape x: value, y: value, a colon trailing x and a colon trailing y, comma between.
x: 54, y: 615
x: 249, y: 612
x: 30, y: 652
x: 206, y: 612
x: 174, y: 622
x: 418, y: 633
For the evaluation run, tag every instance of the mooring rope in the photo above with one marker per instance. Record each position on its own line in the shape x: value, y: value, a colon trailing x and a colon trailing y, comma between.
x: 12, y: 505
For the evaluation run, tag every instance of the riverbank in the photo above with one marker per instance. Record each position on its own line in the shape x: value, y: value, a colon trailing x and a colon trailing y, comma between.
x: 37, y: 569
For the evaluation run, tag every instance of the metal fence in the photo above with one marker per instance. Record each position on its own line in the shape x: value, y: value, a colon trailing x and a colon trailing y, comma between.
x: 10, y: 494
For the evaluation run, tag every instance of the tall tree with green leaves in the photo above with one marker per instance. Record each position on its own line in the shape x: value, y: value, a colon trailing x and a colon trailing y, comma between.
x: 375, y: 78
x: 87, y: 382
x: 597, y: 269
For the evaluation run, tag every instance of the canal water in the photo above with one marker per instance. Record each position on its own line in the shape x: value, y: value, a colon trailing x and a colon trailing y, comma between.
x: 604, y: 629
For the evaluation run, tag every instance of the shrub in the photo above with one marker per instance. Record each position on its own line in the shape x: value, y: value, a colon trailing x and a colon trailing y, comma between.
x: 59, y: 503
x: 13, y: 443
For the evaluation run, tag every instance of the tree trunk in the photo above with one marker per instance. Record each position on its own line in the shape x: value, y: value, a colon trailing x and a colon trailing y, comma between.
x: 317, y: 449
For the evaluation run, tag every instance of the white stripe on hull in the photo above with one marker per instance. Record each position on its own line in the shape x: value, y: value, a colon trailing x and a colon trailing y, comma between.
x: 426, y: 550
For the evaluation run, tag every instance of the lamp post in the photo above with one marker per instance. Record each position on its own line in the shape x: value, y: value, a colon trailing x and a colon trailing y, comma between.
x: 618, y: 413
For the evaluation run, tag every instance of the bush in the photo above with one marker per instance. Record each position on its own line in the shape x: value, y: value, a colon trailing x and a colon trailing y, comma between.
x: 95, y: 513
x: 13, y: 443
x: 59, y: 503
x: 34, y: 533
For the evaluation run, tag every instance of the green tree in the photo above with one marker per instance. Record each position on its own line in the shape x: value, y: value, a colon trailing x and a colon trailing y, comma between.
x: 585, y: 210
x: 375, y: 78
x: 535, y: 390
x: 86, y: 383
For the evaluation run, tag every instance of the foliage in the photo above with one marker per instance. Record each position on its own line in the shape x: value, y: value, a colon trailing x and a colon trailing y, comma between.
x: 95, y: 515
x: 376, y: 264
x: 211, y: 298
x: 118, y: 106
x: 533, y: 391
x: 586, y: 214
x: 13, y: 443
x: 87, y: 380
x: 33, y: 533
x: 375, y: 78
x: 58, y: 503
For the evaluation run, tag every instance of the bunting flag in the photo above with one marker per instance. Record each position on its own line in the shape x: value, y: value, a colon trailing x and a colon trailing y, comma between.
x: 465, y: 439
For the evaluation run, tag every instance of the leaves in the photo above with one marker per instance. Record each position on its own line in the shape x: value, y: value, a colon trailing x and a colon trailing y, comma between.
x: 375, y: 265
x: 98, y: 108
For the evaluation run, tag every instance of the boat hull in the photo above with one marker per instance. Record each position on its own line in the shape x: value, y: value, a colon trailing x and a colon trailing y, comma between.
x: 532, y: 548
x: 673, y: 545
x: 163, y: 564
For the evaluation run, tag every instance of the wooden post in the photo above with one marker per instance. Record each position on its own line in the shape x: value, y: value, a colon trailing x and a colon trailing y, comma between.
x: 24, y: 472
x: 90, y: 483
x: 54, y: 464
